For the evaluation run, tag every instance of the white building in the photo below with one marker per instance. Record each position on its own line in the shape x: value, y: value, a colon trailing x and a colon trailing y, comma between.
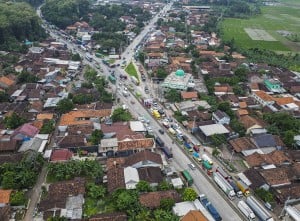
x: 131, y: 177
x: 179, y: 80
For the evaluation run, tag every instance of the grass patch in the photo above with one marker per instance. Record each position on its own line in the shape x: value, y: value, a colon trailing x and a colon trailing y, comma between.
x: 272, y: 19
x: 130, y: 69
x: 95, y: 206
x: 111, y: 61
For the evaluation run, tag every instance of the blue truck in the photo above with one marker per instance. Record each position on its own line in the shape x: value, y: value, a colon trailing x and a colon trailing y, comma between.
x: 167, y: 152
x: 211, y: 209
x: 188, y: 146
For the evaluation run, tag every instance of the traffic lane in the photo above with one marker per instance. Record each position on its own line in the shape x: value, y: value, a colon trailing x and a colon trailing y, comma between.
x: 201, y: 183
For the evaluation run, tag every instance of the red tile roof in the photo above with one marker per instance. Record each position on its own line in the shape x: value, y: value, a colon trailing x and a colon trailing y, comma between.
x: 61, y: 155
x: 152, y: 199
x: 82, y: 116
x: 189, y: 95
x: 4, y: 196
x: 194, y: 215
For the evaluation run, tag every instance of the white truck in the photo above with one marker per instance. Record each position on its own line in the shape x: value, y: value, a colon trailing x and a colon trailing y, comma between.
x: 207, y: 158
x: 258, y: 209
x: 224, y: 185
x: 246, y: 210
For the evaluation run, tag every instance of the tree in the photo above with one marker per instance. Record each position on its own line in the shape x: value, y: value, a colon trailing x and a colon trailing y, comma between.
x: 166, y: 204
x: 4, y: 97
x: 225, y: 106
x: 215, y: 152
x: 121, y: 114
x: 218, y: 139
x: 8, y: 180
x: 288, y: 138
x: 57, y: 218
x: 143, y: 215
x: 143, y: 186
x: 173, y: 96
x: 161, y: 73
x: 13, y: 121
x: 25, y: 77
x: 160, y: 215
x: 189, y: 194
x: 126, y: 200
x: 164, y: 185
x: 17, y: 198
x: 265, y: 195
x: 95, y: 191
x: 48, y: 127
x: 76, y: 57
x: 96, y: 136
x: 65, y: 105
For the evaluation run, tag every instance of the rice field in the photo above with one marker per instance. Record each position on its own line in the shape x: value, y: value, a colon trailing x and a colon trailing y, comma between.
x: 266, y: 30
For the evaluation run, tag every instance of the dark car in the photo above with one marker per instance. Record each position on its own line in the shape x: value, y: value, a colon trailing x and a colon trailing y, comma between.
x: 196, y: 149
x: 161, y: 131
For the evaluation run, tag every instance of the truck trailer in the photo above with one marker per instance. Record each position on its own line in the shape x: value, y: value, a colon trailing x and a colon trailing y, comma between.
x: 203, y: 210
x: 243, y: 187
x: 246, y: 210
x: 224, y: 185
x: 237, y: 190
x: 211, y: 209
x: 222, y: 172
x: 258, y: 209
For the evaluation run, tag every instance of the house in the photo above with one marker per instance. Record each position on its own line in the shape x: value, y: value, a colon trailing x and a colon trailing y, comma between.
x: 250, y: 123
x: 281, y: 178
x: 144, y: 159
x: 5, y: 196
x: 115, y: 179
x: 5, y: 213
x: 263, y: 98
x: 287, y: 192
x: 60, y: 155
x: 9, y: 146
x: 190, y: 95
x: 6, y: 82
x: 274, y: 85
x: 220, y: 117
x: 65, y: 197
x: 83, y: 117
x: 256, y: 179
x: 276, y: 158
x: 194, y: 215
x: 152, y: 200
x: 211, y: 129
x: 131, y: 177
x: 72, y: 141
x: 222, y: 90
x: 25, y: 131
x: 136, y: 145
x: 242, y: 144
x: 114, y: 216
x: 182, y: 208
x: 265, y: 141
x: 152, y: 175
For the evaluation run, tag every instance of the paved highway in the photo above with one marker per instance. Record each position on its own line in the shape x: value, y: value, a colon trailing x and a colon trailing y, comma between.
x: 180, y: 160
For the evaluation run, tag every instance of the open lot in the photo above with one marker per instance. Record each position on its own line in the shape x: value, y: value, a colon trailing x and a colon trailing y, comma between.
x: 262, y: 31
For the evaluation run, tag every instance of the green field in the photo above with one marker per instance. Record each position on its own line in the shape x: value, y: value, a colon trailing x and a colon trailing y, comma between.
x: 272, y: 19
x: 130, y: 69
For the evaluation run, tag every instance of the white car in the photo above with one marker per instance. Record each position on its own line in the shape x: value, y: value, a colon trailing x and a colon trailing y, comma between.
x: 192, y: 166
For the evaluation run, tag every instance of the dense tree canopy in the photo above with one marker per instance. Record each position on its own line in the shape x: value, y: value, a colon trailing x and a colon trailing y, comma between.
x: 121, y: 114
x: 18, y: 22
x: 73, y: 168
x: 13, y: 121
x: 64, y: 13
x: 23, y: 174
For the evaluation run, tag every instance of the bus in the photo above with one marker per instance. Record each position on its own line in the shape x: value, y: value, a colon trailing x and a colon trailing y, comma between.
x: 167, y: 152
x: 112, y: 79
x: 188, y: 178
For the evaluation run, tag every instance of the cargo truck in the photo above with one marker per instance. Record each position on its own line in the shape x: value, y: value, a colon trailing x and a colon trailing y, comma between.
x: 246, y: 210
x: 258, y: 209
x: 203, y: 210
x: 222, y: 172
x: 159, y: 142
x: 196, y: 156
x: 187, y: 177
x: 167, y: 152
x: 211, y: 209
x: 224, y: 185
x: 207, y: 158
x: 206, y: 166
x: 237, y: 190
x: 243, y: 187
